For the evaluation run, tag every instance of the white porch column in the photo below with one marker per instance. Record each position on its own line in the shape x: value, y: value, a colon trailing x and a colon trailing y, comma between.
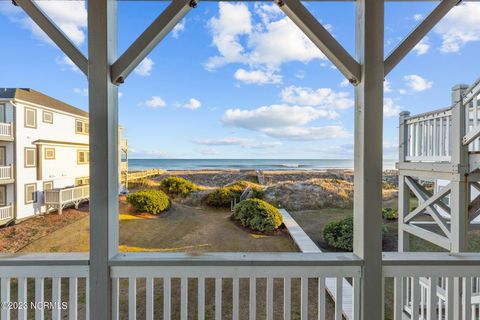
x: 368, y: 155
x: 103, y: 103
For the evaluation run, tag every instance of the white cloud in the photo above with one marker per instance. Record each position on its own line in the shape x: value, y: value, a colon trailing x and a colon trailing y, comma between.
x: 390, y: 147
x: 300, y: 74
x: 257, y: 76
x: 387, y: 86
x: 344, y: 83
x: 422, y: 47
x: 417, y: 83
x: 242, y: 142
x: 459, y: 27
x: 390, y: 109
x: 269, y: 43
x: 145, y: 67
x: 233, y: 21
x: 417, y: 17
x: 274, y: 116
x: 66, y: 64
x: 209, y: 152
x: 324, y: 98
x: 81, y: 91
x: 308, y: 133
x: 155, y: 102
x: 192, y: 104
x: 179, y: 27
x: 69, y: 16
x: 149, y: 154
x: 283, y: 121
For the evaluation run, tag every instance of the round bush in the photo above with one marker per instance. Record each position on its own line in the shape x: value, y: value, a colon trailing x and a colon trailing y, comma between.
x: 151, y: 201
x: 339, y: 234
x: 222, y: 197
x: 258, y: 215
x: 177, y: 186
x: 390, y: 213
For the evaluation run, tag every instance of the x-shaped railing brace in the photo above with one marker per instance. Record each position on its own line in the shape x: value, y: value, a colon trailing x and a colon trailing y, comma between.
x: 427, y: 202
x: 177, y: 9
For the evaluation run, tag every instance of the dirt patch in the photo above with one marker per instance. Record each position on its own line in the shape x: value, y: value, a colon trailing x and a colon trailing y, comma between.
x: 14, y: 238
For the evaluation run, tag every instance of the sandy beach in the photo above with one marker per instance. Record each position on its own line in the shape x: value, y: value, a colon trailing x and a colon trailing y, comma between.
x: 291, y: 189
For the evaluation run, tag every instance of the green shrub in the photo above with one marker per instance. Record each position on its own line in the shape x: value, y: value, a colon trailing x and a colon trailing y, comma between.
x: 257, y: 215
x: 222, y: 197
x: 390, y: 213
x: 177, y: 186
x: 339, y: 234
x: 149, y: 200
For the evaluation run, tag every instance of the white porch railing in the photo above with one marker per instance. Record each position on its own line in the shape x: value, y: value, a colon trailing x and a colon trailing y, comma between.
x: 6, y: 213
x: 61, y: 198
x: 6, y: 172
x: 45, y: 285
x: 424, y: 285
x: 234, y: 285
x: 6, y: 130
x: 428, y: 136
x: 238, y: 285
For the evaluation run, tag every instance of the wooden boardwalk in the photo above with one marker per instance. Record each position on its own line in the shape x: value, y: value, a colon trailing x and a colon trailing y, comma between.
x: 306, y: 245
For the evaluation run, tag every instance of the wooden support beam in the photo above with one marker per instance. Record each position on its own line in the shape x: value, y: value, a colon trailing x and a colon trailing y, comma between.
x: 417, y: 34
x: 368, y: 158
x: 104, y: 184
x: 55, y: 34
x: 320, y: 36
x: 145, y: 43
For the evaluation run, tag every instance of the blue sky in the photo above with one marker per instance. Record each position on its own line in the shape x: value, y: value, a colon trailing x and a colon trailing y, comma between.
x: 239, y: 80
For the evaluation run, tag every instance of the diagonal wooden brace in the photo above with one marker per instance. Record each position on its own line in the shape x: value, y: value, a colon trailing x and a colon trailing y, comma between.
x: 430, y: 202
x: 152, y: 36
x: 320, y: 36
x: 417, y: 34
x: 419, y: 193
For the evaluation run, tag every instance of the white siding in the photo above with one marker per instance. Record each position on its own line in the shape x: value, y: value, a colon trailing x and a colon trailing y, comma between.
x: 63, y: 170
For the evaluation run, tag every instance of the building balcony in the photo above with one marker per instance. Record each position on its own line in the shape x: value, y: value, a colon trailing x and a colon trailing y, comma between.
x: 6, y: 131
x: 242, y: 285
x: 6, y: 174
x: 58, y: 199
x: 6, y: 214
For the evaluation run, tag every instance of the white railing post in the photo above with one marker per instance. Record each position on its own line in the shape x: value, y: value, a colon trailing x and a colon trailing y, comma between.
x: 459, y: 197
x: 369, y: 154
x: 103, y: 111
x: 403, y: 143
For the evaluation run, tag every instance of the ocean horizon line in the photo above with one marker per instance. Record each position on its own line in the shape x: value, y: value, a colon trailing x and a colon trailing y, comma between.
x: 246, y: 164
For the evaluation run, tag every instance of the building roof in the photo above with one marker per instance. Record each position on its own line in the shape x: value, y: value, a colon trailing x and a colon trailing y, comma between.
x: 30, y: 95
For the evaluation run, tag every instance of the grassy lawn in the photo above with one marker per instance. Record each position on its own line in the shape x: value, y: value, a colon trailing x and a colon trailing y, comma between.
x: 181, y: 229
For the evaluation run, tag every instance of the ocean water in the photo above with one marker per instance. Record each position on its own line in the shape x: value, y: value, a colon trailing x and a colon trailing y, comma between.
x: 239, y: 164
